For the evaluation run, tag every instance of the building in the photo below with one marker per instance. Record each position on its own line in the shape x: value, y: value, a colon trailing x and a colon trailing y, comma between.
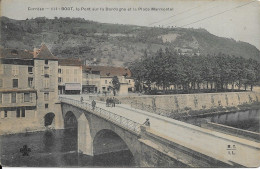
x: 69, y: 76
x: 90, y: 80
x: 99, y: 79
x: 28, y: 90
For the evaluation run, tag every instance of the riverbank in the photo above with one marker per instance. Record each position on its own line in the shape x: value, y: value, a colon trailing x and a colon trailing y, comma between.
x: 182, y: 105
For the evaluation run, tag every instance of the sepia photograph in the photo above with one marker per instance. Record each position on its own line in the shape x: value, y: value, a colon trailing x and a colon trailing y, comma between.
x: 130, y: 83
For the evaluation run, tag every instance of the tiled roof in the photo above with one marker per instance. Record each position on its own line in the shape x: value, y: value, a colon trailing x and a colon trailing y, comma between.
x: 45, y: 53
x: 15, y: 54
x: 69, y: 62
x: 109, y: 71
x: 42, y: 53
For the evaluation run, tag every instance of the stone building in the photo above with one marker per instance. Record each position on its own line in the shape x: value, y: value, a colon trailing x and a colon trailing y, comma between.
x: 28, y: 91
x: 99, y: 78
x: 69, y: 76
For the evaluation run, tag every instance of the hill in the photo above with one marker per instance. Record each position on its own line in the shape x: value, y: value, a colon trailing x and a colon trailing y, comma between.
x: 114, y: 44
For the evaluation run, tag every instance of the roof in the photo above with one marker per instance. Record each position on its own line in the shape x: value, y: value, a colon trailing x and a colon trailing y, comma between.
x: 69, y: 62
x: 42, y: 53
x: 15, y: 54
x: 45, y: 53
x: 109, y: 71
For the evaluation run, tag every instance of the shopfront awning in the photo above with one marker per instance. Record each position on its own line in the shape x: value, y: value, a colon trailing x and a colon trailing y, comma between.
x: 72, y: 86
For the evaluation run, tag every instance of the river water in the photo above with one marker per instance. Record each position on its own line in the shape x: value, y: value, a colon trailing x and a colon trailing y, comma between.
x: 55, y: 148
x: 246, y: 120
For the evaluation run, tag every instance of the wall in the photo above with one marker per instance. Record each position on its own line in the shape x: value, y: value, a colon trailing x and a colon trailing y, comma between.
x: 192, y: 101
x: 52, y: 89
x: 12, y: 124
x: 70, y: 74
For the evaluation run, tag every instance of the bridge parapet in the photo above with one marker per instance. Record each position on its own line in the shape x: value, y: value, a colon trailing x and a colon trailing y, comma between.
x: 114, y: 118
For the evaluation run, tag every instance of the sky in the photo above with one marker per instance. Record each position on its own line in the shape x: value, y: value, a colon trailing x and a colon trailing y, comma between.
x: 236, y: 19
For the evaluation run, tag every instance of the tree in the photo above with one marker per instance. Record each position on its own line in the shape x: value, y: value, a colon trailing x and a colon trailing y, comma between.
x: 116, y: 85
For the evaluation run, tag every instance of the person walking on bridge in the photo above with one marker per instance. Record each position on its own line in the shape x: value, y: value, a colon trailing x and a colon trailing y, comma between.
x: 147, y: 122
x: 113, y: 102
x: 93, y: 104
x: 81, y: 99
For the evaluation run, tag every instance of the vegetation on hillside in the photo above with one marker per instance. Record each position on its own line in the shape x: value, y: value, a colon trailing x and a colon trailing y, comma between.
x: 114, y: 44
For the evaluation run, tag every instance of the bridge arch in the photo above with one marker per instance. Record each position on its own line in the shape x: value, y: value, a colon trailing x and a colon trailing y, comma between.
x: 49, y: 119
x: 77, y: 119
x: 70, y: 120
x: 110, y: 141
x: 89, y: 126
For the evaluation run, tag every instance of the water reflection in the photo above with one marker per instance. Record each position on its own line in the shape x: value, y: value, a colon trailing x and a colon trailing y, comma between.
x: 48, y: 141
x: 54, y: 148
x: 247, y: 120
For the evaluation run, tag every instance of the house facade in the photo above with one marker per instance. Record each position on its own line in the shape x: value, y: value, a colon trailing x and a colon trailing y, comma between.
x: 98, y: 79
x: 69, y: 76
x: 28, y: 91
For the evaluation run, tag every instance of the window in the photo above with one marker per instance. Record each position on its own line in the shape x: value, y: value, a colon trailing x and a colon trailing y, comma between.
x: 46, y: 62
x: 31, y: 97
x: 46, y: 83
x: 129, y: 81
x: 46, y: 106
x: 5, y: 113
x: 30, y: 69
x: 30, y: 82
x: 23, y: 112
x: 59, y: 79
x: 1, y: 82
x: 104, y: 88
x: 59, y: 71
x: 27, y: 97
x: 1, y: 98
x: 15, y: 83
x: 105, y: 81
x: 15, y: 70
x: 13, y: 97
x: 18, y: 113
x: 46, y: 96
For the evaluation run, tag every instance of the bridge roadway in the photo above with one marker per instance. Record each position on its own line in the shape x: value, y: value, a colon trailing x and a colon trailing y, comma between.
x: 205, y: 141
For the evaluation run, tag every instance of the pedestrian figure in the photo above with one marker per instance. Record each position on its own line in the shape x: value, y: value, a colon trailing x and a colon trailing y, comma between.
x: 147, y: 122
x: 114, y: 102
x: 107, y: 102
x: 93, y: 104
x: 81, y: 99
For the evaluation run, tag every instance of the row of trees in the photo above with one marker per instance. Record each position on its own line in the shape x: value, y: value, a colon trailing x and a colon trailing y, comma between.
x: 170, y: 68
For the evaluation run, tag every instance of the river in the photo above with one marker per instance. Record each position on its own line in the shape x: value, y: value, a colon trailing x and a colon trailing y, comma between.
x: 246, y: 120
x: 55, y: 148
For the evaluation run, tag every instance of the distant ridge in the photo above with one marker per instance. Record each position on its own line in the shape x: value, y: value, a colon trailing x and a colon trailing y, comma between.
x: 114, y: 44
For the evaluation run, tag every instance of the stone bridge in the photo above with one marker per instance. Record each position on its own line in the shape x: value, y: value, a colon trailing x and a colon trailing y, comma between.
x: 166, y: 143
